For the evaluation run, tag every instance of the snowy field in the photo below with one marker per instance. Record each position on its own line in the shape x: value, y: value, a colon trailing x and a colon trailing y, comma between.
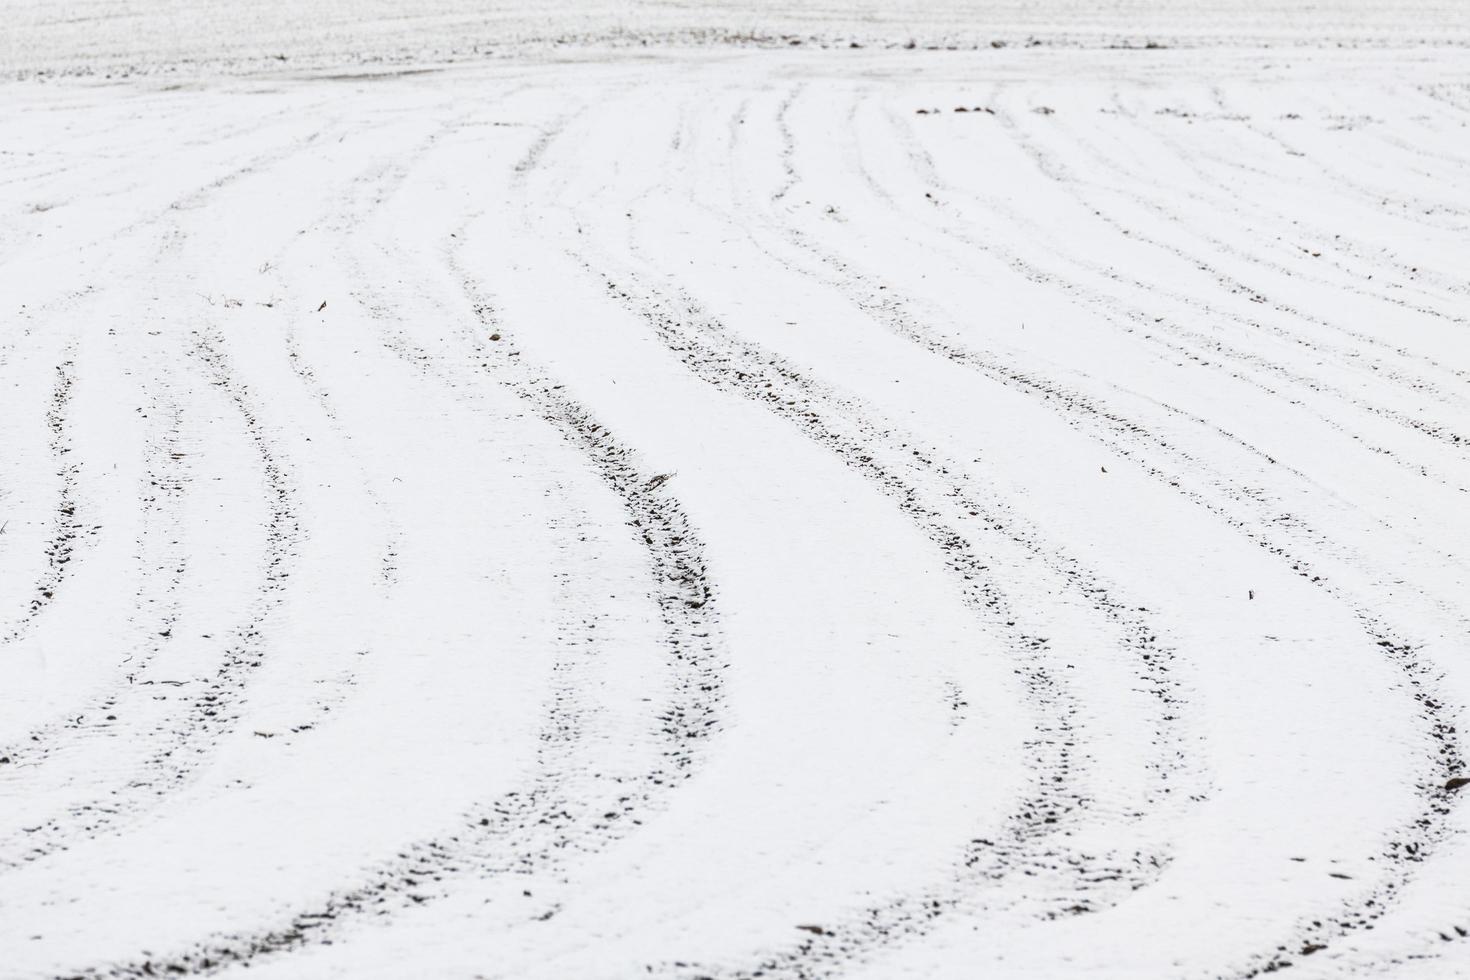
x: 566, y: 493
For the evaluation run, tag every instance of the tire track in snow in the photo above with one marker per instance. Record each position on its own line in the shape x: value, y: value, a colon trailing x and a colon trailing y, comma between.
x: 711, y: 354
x: 895, y: 312
x: 1303, y: 272
x: 166, y: 473
x: 161, y: 558
x: 1206, y: 352
x: 1396, y: 196
x: 1184, y: 471
x: 1203, y: 346
x: 537, y: 829
x: 1344, y: 244
x: 1230, y: 200
x: 67, y: 535
x: 1405, y: 847
x: 936, y: 499
x: 205, y: 707
x: 534, y: 830
x: 654, y: 512
x: 547, y: 826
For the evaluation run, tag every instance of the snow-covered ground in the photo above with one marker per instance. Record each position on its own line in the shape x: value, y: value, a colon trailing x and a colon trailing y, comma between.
x: 103, y: 37
x: 475, y: 506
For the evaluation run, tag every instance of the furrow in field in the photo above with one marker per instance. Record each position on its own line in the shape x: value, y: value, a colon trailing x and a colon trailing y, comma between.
x: 191, y: 713
x: 1253, y: 195
x: 161, y: 566
x: 1229, y: 284
x: 738, y: 516
x: 1314, y: 556
x: 566, y: 810
x: 1388, y: 188
x: 66, y: 540
x: 1403, y: 847
x: 1047, y: 164
x: 1208, y: 352
x: 1031, y: 841
x: 1306, y: 222
x: 1183, y: 466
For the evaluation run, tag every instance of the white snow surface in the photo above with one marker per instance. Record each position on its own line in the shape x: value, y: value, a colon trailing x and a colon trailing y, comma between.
x: 613, y: 492
x: 124, y: 36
